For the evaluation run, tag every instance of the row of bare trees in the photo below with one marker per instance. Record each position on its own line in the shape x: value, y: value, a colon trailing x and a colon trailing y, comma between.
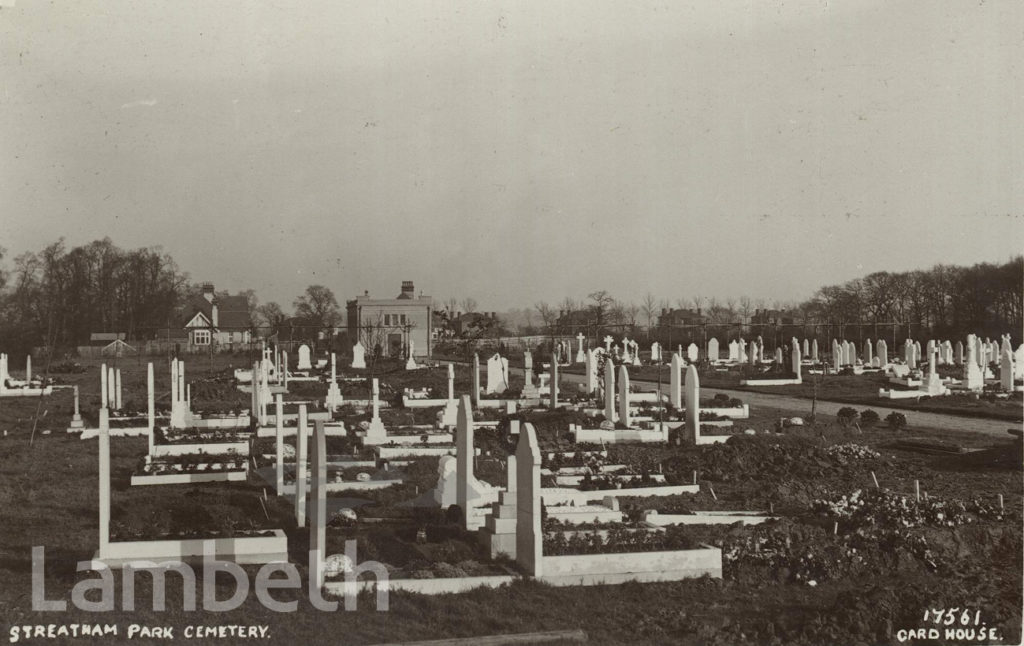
x: 59, y: 296
x: 947, y: 299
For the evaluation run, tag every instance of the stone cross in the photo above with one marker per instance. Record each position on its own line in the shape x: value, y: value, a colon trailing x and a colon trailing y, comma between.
x: 608, y: 343
x: 580, y: 357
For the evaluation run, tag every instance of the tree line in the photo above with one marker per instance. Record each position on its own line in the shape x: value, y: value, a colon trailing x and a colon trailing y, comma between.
x: 59, y: 296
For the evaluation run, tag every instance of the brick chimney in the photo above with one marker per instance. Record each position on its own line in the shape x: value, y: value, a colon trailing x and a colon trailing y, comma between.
x: 408, y: 291
x: 213, y: 315
x: 208, y: 292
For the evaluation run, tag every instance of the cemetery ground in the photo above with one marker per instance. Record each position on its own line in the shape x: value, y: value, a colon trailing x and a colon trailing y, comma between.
x: 845, y: 563
x: 860, y: 391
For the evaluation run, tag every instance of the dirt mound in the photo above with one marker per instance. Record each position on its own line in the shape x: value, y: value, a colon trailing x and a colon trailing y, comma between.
x: 770, y: 459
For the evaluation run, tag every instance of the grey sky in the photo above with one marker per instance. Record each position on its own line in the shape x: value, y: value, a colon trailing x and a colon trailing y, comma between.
x: 517, y: 151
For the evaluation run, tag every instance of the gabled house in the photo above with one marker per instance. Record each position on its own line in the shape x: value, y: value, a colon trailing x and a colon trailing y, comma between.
x: 682, y: 317
x: 772, y: 317
x: 220, y: 321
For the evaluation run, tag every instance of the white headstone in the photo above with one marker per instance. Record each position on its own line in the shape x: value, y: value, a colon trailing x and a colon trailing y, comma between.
x: 591, y: 367
x: 713, y: 349
x: 675, y: 388
x: 692, y: 353
x: 624, y: 396
x: 529, y: 534
x: 795, y: 358
x: 304, y: 363
x: 497, y: 369
x: 609, y: 389
x: 358, y: 356
x: 692, y: 390
x: 580, y: 356
x: 1006, y: 371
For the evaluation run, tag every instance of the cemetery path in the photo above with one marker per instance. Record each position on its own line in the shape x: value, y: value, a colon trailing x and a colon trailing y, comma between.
x: 915, y: 419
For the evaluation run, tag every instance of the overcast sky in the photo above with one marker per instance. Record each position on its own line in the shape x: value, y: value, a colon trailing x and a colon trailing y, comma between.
x: 517, y: 151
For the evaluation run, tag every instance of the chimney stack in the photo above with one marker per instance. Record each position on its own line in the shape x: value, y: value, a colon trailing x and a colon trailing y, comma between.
x: 408, y: 290
x: 208, y: 292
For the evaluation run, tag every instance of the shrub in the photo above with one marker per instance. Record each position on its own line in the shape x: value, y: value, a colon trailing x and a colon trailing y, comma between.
x: 868, y: 418
x: 896, y: 421
x: 846, y: 416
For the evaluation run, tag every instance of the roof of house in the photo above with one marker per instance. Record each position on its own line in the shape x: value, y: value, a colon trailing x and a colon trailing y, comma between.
x: 232, y: 311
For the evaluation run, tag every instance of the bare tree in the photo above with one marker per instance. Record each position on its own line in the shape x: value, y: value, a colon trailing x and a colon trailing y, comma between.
x: 601, y: 302
x: 469, y: 304
x: 546, y: 312
x: 649, y: 308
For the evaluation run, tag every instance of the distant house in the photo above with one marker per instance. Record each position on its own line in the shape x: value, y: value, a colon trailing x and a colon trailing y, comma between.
x: 682, y: 317
x: 393, y: 322
x: 220, y: 321
x: 772, y: 317
x: 573, y: 320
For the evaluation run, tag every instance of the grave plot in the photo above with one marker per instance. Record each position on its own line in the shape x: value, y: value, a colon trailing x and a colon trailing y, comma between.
x: 135, y: 529
x: 27, y: 386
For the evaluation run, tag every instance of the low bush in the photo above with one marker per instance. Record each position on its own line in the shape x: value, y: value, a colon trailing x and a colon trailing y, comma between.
x: 896, y: 421
x: 846, y: 416
x: 868, y: 418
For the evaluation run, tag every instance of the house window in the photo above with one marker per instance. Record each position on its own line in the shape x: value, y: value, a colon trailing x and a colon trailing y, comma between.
x: 402, y: 318
x: 200, y: 337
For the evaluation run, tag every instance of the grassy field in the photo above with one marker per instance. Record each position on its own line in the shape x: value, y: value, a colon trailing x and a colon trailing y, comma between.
x: 48, y: 491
